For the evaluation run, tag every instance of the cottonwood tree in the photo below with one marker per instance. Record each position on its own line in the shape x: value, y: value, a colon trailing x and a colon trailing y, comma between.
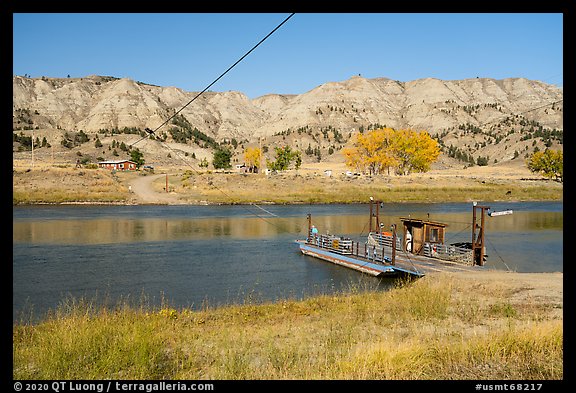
x: 381, y: 149
x: 252, y: 156
x: 284, y: 157
x: 372, y: 151
x: 549, y: 163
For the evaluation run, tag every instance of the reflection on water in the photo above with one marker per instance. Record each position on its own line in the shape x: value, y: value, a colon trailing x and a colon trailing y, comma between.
x: 122, y: 230
x: 220, y: 254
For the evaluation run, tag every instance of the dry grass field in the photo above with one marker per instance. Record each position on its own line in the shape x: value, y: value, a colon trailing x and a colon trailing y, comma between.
x: 47, y: 183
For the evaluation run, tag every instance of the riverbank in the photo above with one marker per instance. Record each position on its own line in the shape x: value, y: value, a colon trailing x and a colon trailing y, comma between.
x: 59, y: 185
x: 489, y: 325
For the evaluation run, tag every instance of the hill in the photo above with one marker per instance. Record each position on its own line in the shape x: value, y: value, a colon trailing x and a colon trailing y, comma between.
x: 498, y: 120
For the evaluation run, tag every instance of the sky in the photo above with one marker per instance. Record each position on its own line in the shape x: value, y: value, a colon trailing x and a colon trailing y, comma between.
x: 191, y: 50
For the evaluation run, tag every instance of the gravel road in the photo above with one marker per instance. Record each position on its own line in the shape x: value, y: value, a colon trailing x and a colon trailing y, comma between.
x: 143, y: 191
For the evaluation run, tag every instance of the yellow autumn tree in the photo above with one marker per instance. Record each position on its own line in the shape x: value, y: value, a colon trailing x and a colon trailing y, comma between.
x: 353, y: 159
x: 371, y: 151
x: 415, y: 151
x: 382, y: 149
x: 252, y: 156
x: 549, y: 163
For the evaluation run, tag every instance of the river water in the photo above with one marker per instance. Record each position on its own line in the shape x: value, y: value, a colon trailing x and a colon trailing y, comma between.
x: 197, y: 256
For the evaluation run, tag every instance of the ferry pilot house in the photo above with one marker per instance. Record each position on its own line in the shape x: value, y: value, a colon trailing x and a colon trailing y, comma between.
x: 417, y: 232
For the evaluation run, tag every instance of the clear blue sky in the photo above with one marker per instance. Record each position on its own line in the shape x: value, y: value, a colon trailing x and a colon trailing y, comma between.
x: 189, y: 51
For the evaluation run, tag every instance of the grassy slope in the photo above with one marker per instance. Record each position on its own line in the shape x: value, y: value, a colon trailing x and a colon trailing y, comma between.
x: 428, y: 329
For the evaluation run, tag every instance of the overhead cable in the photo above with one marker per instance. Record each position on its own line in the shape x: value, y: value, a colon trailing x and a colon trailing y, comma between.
x: 152, y: 132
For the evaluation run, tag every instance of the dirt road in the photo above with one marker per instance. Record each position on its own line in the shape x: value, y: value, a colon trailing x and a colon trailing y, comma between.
x: 143, y: 192
x: 522, y: 288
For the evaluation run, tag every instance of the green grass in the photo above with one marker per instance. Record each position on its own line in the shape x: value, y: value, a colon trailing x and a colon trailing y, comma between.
x: 427, y: 329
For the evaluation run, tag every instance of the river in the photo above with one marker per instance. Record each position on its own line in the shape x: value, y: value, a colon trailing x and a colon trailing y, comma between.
x: 198, y: 256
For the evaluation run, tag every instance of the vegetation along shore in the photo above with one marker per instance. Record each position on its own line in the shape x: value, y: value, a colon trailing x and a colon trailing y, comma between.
x: 489, y: 325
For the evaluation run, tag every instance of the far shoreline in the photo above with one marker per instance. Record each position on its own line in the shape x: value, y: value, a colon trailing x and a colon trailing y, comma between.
x: 104, y: 203
x: 54, y: 186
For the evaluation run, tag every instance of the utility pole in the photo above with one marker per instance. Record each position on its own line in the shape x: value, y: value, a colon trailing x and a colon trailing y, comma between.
x: 478, y: 239
x: 374, y: 213
x: 32, y: 147
x: 260, y: 159
x: 393, y: 244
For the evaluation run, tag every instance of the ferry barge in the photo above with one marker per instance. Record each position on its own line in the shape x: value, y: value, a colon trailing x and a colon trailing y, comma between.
x: 419, y: 250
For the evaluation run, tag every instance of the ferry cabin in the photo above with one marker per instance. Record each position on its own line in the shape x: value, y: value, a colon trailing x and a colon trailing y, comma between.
x: 420, y: 232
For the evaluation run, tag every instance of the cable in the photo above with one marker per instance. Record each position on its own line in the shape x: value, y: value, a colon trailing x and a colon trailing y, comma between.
x: 499, y: 256
x: 223, y: 192
x: 152, y: 132
x: 521, y: 113
x: 543, y: 106
x: 453, y: 235
x: 365, y: 225
x: 264, y: 210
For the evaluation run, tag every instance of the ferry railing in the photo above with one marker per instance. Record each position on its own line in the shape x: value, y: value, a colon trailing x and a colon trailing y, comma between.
x: 341, y: 245
x: 345, y: 246
x: 449, y: 253
x: 385, y: 240
x: 433, y: 250
x: 378, y: 248
x: 378, y: 253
